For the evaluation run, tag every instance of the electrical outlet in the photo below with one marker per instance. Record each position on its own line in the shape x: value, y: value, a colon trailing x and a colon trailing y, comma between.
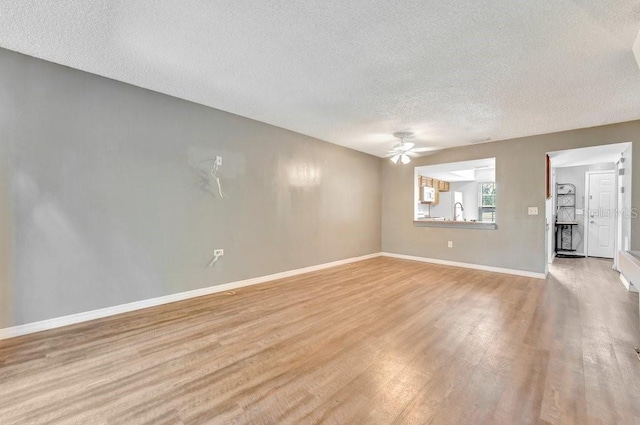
x: 533, y: 210
x: 450, y: 244
x: 218, y: 160
x: 218, y: 252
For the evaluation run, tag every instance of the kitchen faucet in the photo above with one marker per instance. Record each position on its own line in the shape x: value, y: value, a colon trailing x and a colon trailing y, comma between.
x: 455, y: 210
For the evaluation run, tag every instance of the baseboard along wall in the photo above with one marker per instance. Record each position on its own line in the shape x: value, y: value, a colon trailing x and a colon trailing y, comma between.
x: 73, y: 319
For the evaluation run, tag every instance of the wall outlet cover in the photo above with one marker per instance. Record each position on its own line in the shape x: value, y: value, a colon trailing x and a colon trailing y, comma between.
x: 533, y: 210
x: 450, y: 244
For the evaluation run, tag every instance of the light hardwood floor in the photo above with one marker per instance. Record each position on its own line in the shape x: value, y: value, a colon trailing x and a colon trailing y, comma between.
x: 382, y: 341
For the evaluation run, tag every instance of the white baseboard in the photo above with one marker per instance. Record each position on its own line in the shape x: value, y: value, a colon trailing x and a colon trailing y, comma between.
x: 137, y: 305
x: 627, y: 284
x: 152, y: 302
x: 524, y: 273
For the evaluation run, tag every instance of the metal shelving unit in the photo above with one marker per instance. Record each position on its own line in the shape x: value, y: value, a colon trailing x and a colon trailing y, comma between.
x: 566, y: 223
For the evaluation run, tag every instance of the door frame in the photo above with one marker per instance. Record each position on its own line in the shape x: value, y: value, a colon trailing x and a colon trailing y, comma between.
x: 550, y: 215
x: 587, y: 199
x: 617, y: 245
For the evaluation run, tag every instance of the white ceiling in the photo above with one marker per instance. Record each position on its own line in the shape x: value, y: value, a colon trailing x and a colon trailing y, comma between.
x: 353, y: 72
x: 587, y: 156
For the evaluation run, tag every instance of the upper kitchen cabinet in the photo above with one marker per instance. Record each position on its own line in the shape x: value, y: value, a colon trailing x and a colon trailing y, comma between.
x: 443, y: 186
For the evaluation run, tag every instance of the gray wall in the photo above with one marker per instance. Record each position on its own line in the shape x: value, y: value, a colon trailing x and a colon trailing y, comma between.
x: 107, y: 203
x: 6, y: 296
x: 519, y: 241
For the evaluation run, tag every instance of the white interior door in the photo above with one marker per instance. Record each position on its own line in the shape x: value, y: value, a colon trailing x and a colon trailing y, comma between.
x: 601, y: 216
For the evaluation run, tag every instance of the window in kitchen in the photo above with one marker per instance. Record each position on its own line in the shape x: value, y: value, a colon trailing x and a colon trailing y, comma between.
x: 487, y: 202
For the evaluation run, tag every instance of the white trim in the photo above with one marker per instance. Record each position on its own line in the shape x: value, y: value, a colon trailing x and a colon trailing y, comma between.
x: 627, y: 284
x: 585, y: 213
x: 617, y: 241
x: 524, y: 273
x: 629, y: 268
x: 137, y: 305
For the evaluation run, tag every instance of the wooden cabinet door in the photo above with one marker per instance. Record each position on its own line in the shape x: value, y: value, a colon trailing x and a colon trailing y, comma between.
x: 438, y: 185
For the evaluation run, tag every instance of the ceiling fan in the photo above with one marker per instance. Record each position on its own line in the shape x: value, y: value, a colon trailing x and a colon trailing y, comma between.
x: 402, y: 151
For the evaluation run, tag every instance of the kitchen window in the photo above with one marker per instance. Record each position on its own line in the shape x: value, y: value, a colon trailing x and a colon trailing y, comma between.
x: 487, y: 202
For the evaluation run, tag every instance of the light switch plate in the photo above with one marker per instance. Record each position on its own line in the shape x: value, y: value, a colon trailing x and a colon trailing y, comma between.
x: 533, y: 210
x: 579, y: 211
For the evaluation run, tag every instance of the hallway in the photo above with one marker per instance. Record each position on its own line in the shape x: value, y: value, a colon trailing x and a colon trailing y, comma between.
x: 589, y: 322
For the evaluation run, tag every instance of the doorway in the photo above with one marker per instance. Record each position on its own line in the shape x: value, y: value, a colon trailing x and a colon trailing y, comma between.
x: 586, y: 201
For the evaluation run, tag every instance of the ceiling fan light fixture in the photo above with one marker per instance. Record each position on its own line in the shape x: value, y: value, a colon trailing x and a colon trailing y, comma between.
x: 404, y: 146
x: 401, y: 151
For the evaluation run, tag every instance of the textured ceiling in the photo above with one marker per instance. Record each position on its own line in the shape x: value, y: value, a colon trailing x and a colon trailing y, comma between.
x: 353, y: 72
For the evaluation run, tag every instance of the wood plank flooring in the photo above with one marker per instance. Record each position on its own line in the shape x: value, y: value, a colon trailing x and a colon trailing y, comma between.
x: 382, y: 341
